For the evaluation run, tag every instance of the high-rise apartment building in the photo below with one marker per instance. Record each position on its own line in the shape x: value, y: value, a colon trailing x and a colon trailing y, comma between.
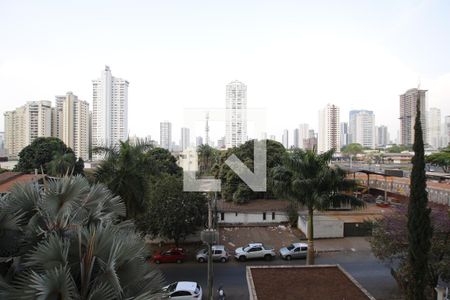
x: 25, y: 124
x: 446, y: 132
x: 344, y: 134
x: 302, y: 134
x: 408, y: 111
x: 362, y: 128
x: 109, y: 110
x: 297, y: 138
x: 329, y: 136
x: 71, y: 123
x: 285, y: 138
x: 165, y: 135
x: 236, y: 114
x: 185, y: 140
x: 434, y: 127
x: 2, y: 144
x: 382, y: 136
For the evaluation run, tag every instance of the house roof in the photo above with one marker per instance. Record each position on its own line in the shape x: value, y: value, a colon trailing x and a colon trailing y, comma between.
x: 257, y: 205
x: 329, y: 282
x: 9, y: 179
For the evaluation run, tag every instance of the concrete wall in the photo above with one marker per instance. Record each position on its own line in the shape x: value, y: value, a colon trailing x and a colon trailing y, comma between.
x: 324, y: 226
x: 251, y: 217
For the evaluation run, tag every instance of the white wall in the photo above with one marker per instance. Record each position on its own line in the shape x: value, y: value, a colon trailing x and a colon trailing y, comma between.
x: 252, y: 217
x: 324, y: 226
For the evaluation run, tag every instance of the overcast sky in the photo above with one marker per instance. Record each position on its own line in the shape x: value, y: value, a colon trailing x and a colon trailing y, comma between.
x: 294, y: 56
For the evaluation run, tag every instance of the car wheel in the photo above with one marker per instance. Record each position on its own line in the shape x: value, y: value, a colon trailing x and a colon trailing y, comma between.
x: 223, y: 259
x: 288, y: 257
x: 179, y: 261
x: 242, y: 258
x: 268, y: 257
x: 157, y: 262
x: 201, y: 260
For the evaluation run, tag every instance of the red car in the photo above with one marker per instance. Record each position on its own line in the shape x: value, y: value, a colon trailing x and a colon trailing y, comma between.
x: 177, y: 255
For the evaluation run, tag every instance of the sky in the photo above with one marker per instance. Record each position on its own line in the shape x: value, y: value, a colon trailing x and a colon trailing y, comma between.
x: 294, y: 56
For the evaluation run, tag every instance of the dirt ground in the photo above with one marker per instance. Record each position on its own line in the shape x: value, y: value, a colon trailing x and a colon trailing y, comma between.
x: 310, y: 283
x: 275, y: 236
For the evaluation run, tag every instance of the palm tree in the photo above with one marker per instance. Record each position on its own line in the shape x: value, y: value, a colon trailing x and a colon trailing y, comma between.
x: 62, y: 164
x: 67, y: 243
x: 308, y: 179
x: 125, y: 171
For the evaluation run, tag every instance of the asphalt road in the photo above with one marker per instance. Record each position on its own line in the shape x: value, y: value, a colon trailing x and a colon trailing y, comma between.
x: 362, y: 265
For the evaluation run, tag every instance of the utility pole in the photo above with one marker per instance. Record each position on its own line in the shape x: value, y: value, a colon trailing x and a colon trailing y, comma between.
x: 210, y: 262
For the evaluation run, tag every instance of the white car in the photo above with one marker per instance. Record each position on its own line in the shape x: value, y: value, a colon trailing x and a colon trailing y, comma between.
x: 184, y: 290
x: 295, y: 250
x: 254, y: 250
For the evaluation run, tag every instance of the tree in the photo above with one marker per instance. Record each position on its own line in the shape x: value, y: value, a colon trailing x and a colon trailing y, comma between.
x: 127, y: 170
x: 65, y: 164
x: 352, y: 149
x: 389, y: 243
x: 233, y: 188
x: 68, y: 243
x: 398, y: 148
x: 419, y: 224
x: 207, y: 158
x: 308, y: 179
x: 42, y: 151
x: 172, y: 213
x: 440, y: 159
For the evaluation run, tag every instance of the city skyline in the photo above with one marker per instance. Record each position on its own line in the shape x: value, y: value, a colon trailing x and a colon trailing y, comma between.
x: 368, y: 66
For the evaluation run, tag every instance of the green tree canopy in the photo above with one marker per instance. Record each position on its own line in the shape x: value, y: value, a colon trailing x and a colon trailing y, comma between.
x: 68, y: 243
x: 440, y: 159
x: 352, y: 149
x: 233, y: 188
x: 399, y: 148
x: 42, y: 151
x: 172, y: 213
x: 308, y: 179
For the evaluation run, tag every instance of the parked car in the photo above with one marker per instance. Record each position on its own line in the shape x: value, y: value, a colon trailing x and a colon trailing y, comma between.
x: 219, y: 253
x: 254, y: 250
x: 296, y: 250
x: 177, y: 255
x: 184, y: 290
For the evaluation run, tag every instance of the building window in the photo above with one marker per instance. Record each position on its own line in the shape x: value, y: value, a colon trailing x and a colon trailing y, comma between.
x: 264, y: 216
x: 273, y: 215
x: 222, y: 216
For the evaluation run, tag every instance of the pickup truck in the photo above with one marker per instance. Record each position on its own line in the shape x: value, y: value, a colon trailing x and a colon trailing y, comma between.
x: 254, y: 250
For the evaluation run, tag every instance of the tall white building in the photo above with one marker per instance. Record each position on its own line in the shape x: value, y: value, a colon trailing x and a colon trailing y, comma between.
x: 434, y: 127
x: 329, y: 135
x: 296, y: 136
x: 382, y: 136
x: 303, y: 130
x: 446, y: 132
x: 25, y: 124
x: 362, y: 128
x: 2, y: 144
x: 236, y: 114
x: 71, y: 123
x: 285, y: 138
x: 185, y: 140
x: 165, y: 135
x: 109, y: 110
x: 408, y: 111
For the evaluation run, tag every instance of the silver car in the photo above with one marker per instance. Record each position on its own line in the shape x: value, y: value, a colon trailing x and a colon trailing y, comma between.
x: 219, y: 253
x: 296, y: 250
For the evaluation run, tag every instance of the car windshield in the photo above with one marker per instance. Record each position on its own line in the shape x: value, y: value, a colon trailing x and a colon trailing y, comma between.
x: 290, y: 247
x: 172, y: 287
x: 246, y: 248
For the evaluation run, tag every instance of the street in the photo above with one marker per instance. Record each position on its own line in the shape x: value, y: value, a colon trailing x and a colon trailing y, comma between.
x: 362, y: 265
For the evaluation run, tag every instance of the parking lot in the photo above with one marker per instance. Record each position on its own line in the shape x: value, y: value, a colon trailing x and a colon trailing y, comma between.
x: 275, y: 236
